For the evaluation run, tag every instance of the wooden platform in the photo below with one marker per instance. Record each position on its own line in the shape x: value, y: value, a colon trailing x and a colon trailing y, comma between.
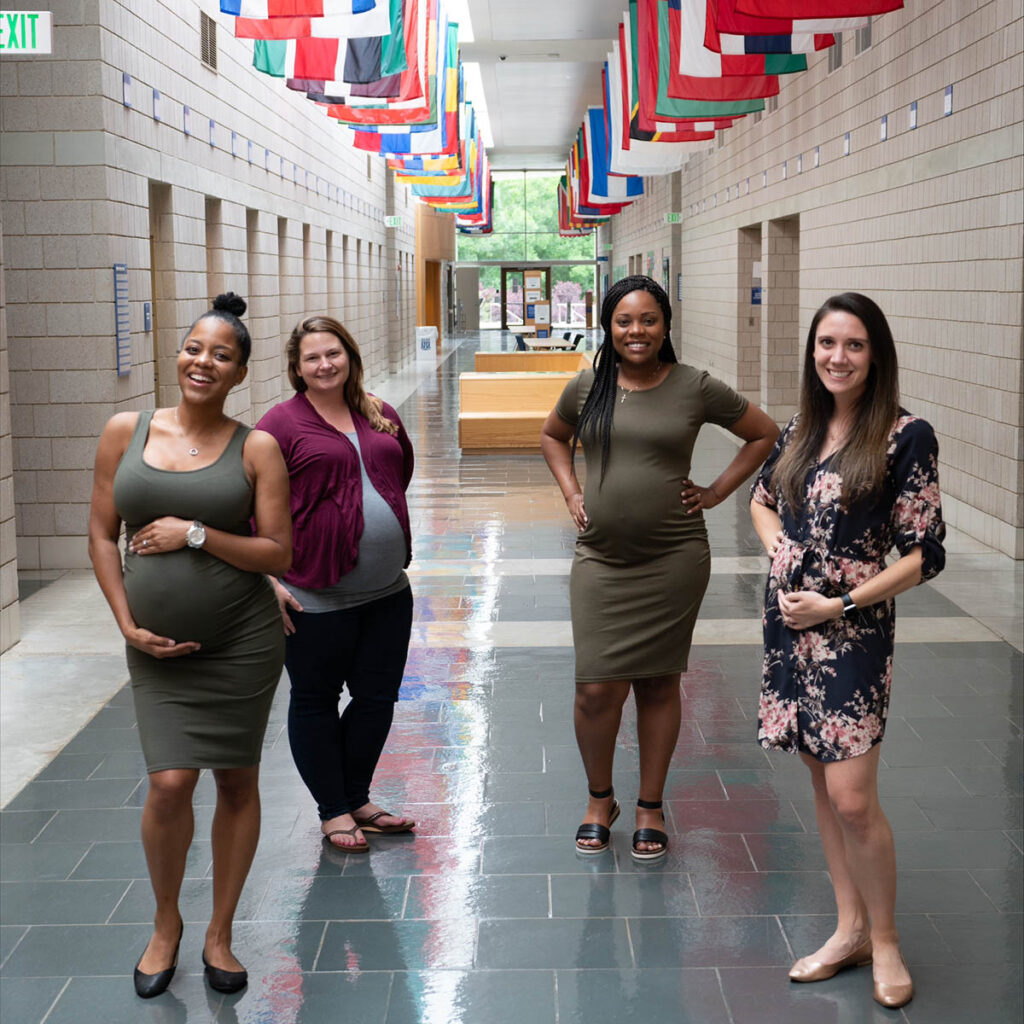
x: 504, y: 411
x: 490, y: 362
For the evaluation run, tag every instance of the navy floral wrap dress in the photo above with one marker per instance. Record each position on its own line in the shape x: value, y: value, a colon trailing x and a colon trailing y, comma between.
x: 825, y: 690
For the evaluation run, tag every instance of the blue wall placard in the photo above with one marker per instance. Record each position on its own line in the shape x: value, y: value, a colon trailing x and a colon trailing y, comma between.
x: 122, y: 329
x: 755, y: 296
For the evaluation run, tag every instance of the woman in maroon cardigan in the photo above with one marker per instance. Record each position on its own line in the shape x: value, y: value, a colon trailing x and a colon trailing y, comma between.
x: 346, y: 602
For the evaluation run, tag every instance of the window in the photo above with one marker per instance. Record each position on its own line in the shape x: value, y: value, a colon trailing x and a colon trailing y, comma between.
x: 771, y: 104
x: 863, y: 39
x: 369, y: 167
x: 208, y: 41
x: 835, y: 54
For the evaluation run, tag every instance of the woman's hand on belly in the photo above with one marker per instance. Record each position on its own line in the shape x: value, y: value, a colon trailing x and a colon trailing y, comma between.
x: 168, y: 533
x: 803, y: 609
x: 158, y: 646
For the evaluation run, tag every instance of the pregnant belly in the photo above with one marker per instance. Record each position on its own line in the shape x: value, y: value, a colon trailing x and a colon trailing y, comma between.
x: 638, y: 523
x: 190, y: 595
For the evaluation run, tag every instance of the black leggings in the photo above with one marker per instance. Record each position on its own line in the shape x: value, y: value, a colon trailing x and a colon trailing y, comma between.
x: 365, y: 649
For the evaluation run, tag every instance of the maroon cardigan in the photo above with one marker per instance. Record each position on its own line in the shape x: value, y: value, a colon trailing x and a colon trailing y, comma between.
x: 326, y: 486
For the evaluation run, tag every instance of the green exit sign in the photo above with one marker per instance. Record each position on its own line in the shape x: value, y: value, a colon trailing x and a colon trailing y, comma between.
x: 26, y: 32
x: 673, y: 218
x: 393, y: 221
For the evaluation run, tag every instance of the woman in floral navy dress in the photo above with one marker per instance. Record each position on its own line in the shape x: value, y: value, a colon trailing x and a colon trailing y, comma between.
x: 852, y: 477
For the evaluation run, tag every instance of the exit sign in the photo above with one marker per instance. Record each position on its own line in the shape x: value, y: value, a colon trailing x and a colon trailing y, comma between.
x: 673, y: 218
x: 393, y: 221
x: 26, y: 32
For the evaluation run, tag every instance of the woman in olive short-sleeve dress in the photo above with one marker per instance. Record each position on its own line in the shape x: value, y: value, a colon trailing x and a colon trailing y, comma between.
x: 642, y: 558
x: 852, y: 477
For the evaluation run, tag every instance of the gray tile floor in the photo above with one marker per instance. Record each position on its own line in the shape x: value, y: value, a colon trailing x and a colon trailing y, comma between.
x: 487, y: 915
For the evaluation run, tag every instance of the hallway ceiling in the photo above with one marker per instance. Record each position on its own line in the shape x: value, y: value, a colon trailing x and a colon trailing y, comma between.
x: 540, y: 67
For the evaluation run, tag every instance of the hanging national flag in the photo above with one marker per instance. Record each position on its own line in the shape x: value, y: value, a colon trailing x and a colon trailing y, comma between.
x: 651, y: 84
x: 664, y: 129
x: 632, y: 156
x: 816, y: 8
x: 729, y: 19
x: 374, y: 22
x: 415, y: 102
x: 687, y: 25
x: 661, y: 57
x: 596, y: 184
x: 294, y: 8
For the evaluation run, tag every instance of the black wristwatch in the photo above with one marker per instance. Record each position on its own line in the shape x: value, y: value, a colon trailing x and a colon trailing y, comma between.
x: 848, y: 605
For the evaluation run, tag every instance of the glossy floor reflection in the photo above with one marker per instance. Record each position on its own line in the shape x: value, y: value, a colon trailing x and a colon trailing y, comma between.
x: 487, y: 915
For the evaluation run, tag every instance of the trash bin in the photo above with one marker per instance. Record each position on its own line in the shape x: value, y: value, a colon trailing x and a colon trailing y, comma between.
x: 426, y: 342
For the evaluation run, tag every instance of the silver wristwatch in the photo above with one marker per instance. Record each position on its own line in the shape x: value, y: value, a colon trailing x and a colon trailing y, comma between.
x: 196, y: 535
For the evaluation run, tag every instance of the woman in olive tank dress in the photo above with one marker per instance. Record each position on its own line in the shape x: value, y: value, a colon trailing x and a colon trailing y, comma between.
x: 200, y: 621
x: 642, y: 558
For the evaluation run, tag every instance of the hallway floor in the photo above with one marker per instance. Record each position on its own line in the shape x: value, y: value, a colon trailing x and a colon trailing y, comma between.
x: 487, y: 915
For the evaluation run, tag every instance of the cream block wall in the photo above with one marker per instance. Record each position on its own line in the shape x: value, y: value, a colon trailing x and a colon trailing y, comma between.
x: 88, y: 180
x: 10, y: 625
x: 928, y: 222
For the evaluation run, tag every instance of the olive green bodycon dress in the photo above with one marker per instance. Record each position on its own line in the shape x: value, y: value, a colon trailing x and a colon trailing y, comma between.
x: 642, y: 564
x: 208, y: 709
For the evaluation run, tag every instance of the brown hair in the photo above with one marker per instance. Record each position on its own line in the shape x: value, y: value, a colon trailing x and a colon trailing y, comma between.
x: 861, y: 462
x: 368, y: 406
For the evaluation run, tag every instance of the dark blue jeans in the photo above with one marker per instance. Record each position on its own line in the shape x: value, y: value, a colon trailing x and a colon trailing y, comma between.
x: 365, y: 649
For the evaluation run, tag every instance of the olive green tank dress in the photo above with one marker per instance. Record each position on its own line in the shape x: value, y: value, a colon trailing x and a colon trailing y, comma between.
x: 642, y: 564
x: 208, y: 709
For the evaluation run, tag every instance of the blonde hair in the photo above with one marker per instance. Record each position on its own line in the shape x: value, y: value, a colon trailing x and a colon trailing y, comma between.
x: 368, y: 406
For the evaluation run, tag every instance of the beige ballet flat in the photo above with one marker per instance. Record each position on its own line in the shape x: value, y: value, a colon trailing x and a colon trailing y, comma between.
x: 893, y: 996
x: 817, y: 971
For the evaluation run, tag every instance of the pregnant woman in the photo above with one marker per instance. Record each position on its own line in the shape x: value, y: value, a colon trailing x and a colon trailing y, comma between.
x: 203, y: 633
x: 642, y: 558
x: 852, y: 477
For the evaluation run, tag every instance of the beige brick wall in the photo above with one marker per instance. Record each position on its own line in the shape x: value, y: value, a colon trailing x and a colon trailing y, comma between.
x: 86, y: 182
x: 10, y: 626
x: 927, y: 221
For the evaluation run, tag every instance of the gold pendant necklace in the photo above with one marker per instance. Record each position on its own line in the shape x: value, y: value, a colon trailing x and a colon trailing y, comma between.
x: 639, y: 387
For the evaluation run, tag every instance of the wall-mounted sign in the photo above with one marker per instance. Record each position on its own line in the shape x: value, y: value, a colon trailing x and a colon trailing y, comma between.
x: 26, y: 32
x: 673, y: 218
x: 393, y: 221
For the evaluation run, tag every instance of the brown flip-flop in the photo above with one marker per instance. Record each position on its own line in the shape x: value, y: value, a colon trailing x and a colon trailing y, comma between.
x: 363, y: 847
x: 367, y: 824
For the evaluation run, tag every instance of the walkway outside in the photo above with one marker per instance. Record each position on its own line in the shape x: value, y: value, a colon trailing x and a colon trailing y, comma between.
x: 487, y: 915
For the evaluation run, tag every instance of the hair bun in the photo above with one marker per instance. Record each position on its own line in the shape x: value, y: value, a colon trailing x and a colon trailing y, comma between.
x: 230, y: 303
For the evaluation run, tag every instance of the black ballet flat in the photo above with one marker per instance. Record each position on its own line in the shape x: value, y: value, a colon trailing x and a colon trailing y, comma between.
x: 149, y: 985
x: 224, y: 981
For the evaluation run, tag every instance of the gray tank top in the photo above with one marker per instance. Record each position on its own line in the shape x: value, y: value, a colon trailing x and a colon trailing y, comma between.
x: 378, y: 571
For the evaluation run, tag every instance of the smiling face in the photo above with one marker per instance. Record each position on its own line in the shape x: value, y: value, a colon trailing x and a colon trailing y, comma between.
x: 842, y: 356
x: 323, y: 363
x: 209, y: 361
x: 638, y: 329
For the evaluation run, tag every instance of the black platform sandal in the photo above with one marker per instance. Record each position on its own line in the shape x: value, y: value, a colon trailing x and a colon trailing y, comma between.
x: 649, y: 835
x: 591, y: 830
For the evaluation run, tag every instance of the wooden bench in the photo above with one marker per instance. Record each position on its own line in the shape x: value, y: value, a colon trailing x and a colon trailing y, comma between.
x: 504, y: 411
x: 489, y: 362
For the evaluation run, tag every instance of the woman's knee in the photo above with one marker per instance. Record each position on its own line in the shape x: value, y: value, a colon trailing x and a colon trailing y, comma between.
x: 171, y: 789
x: 598, y: 700
x: 237, y: 787
x: 856, y: 809
x: 661, y: 692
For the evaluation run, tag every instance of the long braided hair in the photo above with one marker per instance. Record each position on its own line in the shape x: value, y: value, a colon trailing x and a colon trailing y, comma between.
x: 599, y: 407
